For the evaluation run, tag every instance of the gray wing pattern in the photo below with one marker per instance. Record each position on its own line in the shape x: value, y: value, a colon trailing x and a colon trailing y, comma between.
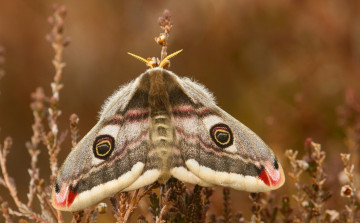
x: 124, y: 125
x: 242, y: 162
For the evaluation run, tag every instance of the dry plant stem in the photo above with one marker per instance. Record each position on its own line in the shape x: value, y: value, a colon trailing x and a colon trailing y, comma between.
x: 166, y: 191
x: 10, y: 185
x: 166, y: 26
x: 227, y: 205
x: 269, y: 209
x: 319, y: 156
x: 125, y: 203
x: 162, y: 203
x: 34, y: 176
x: 310, y: 198
x: 58, y: 42
x: 297, y: 168
x: 163, y: 212
x: 353, y: 146
x: 37, y: 106
x: 120, y: 203
x: 85, y: 215
x: 74, y: 121
x: 349, y: 119
x: 133, y: 203
x: 256, y: 208
x: 46, y: 207
x: 350, y: 191
x: 208, y: 191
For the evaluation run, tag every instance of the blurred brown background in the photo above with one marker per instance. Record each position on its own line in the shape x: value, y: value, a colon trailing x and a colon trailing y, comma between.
x: 282, y: 67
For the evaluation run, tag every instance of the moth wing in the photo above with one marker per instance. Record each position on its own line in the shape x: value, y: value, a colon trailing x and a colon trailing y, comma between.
x: 92, y: 171
x: 243, y: 162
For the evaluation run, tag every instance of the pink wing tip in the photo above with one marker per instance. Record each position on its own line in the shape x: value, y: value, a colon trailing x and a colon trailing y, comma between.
x: 272, y: 175
x: 63, y: 197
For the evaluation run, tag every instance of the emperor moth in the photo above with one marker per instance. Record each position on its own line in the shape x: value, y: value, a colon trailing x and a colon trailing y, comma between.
x: 159, y: 126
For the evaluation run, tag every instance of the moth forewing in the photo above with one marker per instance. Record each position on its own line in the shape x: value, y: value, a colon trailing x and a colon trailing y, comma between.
x: 243, y: 162
x: 92, y: 171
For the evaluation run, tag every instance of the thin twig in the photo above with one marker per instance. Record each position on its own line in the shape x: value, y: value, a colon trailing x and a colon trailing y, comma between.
x: 10, y: 185
x: 349, y: 190
x: 125, y: 203
x: 227, y: 205
x: 58, y: 43
x: 166, y: 25
x: 318, y: 181
x: 74, y: 121
x: 256, y: 208
x: 297, y: 169
x: 37, y: 106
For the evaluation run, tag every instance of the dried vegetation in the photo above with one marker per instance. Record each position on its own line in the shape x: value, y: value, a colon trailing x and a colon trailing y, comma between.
x: 174, y: 201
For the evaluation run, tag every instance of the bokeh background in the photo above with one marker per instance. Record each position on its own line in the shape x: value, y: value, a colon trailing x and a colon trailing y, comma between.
x: 281, y: 67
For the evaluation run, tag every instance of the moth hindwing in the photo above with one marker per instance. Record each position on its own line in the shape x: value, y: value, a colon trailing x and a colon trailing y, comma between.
x: 160, y: 126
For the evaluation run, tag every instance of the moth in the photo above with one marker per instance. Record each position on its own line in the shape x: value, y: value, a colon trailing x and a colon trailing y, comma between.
x: 159, y: 126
